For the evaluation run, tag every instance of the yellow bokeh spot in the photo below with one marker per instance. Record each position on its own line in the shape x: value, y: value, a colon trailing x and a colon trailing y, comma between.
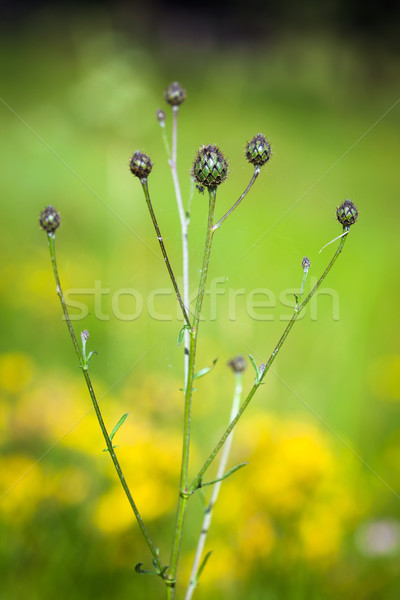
x: 256, y: 537
x: 321, y: 534
x: 21, y: 486
x: 16, y: 371
x: 114, y: 514
x: 70, y: 485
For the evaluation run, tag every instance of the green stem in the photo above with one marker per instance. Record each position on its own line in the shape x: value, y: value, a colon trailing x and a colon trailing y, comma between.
x: 256, y: 173
x: 208, y: 513
x: 83, y: 365
x: 271, y: 359
x: 163, y: 250
x: 183, y: 495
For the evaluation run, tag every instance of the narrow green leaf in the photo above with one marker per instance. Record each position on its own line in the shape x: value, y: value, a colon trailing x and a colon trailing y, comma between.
x: 227, y: 474
x: 253, y: 362
x: 118, y: 425
x: 206, y: 370
x: 181, y: 334
x: 202, y: 372
x: 203, y: 564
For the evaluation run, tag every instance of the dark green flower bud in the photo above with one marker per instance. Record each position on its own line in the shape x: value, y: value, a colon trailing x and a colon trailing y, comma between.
x: 210, y: 167
x: 175, y: 94
x: 49, y: 219
x: 237, y: 364
x: 140, y: 165
x: 347, y: 213
x: 258, y: 150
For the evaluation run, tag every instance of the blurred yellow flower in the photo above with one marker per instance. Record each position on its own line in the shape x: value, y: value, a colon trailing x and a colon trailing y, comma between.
x: 113, y: 512
x: 16, y: 371
x: 321, y: 533
x: 21, y: 486
x: 70, y: 485
x: 293, y: 485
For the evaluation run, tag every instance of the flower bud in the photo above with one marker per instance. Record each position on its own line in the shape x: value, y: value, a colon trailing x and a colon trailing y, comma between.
x: 347, y: 213
x: 140, y: 165
x: 237, y: 364
x: 175, y: 94
x: 306, y: 263
x: 258, y: 150
x: 49, y: 219
x: 210, y: 167
x: 160, y: 114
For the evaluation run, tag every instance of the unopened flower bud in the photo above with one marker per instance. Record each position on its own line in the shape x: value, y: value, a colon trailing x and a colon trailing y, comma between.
x: 210, y: 167
x: 140, y: 165
x: 160, y: 114
x: 175, y: 94
x: 49, y: 219
x: 347, y: 213
x: 84, y: 336
x: 237, y: 364
x: 306, y: 263
x: 258, y: 150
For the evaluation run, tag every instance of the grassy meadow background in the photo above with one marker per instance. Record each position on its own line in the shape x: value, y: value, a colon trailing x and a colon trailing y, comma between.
x: 316, y: 512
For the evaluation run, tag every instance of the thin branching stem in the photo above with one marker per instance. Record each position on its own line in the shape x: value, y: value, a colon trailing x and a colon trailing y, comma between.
x: 183, y: 495
x: 256, y: 173
x: 208, y: 513
x: 163, y: 250
x: 84, y: 368
x: 268, y: 364
x: 184, y: 220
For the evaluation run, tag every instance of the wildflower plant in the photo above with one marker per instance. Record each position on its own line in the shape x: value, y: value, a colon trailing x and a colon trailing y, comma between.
x: 209, y: 170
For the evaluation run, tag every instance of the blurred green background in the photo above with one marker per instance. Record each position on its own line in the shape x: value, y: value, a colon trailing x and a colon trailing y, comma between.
x: 316, y: 512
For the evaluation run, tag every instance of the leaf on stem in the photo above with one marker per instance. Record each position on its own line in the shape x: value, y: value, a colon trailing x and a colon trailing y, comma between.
x: 181, y: 334
x: 206, y: 370
x: 117, y: 426
x: 201, y: 568
x: 227, y: 474
x: 253, y: 362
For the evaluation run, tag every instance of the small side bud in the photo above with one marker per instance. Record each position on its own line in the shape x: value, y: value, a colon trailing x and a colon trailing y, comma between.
x: 210, y: 167
x: 84, y: 336
x: 237, y: 364
x: 175, y: 94
x: 258, y: 150
x: 347, y: 213
x: 49, y: 219
x: 306, y: 263
x: 140, y: 165
x: 160, y: 114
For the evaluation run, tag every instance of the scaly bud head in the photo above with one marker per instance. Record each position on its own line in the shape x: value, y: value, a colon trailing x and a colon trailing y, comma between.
x: 237, y: 364
x: 49, y: 219
x: 210, y: 167
x: 175, y: 94
x: 306, y: 263
x: 140, y: 165
x: 258, y: 150
x: 347, y: 213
